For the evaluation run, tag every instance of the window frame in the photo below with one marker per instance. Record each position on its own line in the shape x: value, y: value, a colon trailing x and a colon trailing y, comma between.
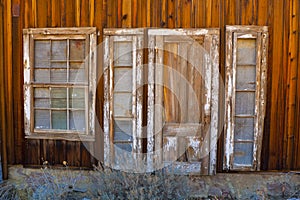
x: 112, y: 35
x: 88, y: 34
x: 260, y: 33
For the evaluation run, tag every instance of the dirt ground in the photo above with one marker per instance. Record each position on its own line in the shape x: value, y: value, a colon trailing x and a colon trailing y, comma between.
x: 258, y: 185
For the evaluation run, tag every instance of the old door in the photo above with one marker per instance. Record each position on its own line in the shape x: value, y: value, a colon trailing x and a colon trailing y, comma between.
x: 183, y: 83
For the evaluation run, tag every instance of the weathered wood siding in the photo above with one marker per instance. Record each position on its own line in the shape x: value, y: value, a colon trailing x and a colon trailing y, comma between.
x: 281, y: 145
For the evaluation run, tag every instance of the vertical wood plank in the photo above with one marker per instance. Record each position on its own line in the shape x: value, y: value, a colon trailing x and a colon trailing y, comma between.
x: 277, y: 90
x: 42, y: 12
x: 17, y: 84
x: 171, y: 14
x: 163, y: 12
x: 178, y: 13
x: 84, y: 13
x: 262, y: 13
x: 70, y: 6
x: 77, y: 12
x: 126, y: 14
x: 187, y: 14
x: 55, y: 13
x: 92, y: 13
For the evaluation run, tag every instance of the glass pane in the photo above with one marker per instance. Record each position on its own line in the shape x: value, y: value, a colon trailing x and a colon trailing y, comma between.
x: 123, y: 104
x: 244, y: 129
x: 58, y: 76
x: 41, y: 53
x: 59, y: 120
x: 41, y: 119
x: 126, y: 147
x: 59, y: 50
x: 123, y: 130
x: 41, y: 103
x: 243, y: 153
x: 78, y: 73
x: 245, y: 103
x: 41, y: 93
x: 77, y: 98
x: 122, y: 54
x: 77, y: 120
x: 122, y: 79
x: 58, y: 97
x: 246, y: 77
x: 246, y: 51
x: 77, y: 49
x: 42, y: 76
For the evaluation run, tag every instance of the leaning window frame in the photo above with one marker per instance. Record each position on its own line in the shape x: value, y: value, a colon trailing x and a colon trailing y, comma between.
x: 260, y: 33
x: 89, y: 35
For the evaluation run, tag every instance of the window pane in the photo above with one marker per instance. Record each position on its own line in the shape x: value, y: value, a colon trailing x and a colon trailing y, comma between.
x: 42, y: 76
x: 243, y: 153
x: 77, y: 97
x: 59, y: 120
x: 41, y: 93
x: 245, y: 103
x: 246, y: 77
x: 122, y: 54
x: 78, y: 72
x: 77, y: 49
x: 58, y: 75
x: 123, y: 104
x: 123, y: 130
x: 246, y: 51
x: 41, y: 119
x: 126, y: 147
x: 58, y: 97
x: 59, y: 50
x: 41, y: 53
x: 122, y: 79
x: 244, y: 129
x: 77, y: 120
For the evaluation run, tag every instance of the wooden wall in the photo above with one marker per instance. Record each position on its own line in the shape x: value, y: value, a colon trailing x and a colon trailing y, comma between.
x: 281, y: 148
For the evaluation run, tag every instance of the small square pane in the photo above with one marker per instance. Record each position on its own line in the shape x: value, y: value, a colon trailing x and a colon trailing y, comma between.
x: 123, y: 54
x: 41, y: 76
x: 59, y: 119
x: 41, y: 53
x: 42, y: 119
x: 58, y: 75
x: 246, y: 51
x: 41, y: 103
x: 77, y: 120
x: 76, y: 93
x: 245, y: 103
x: 41, y: 92
x: 58, y: 103
x: 77, y: 72
x: 246, y: 77
x: 126, y: 147
x: 123, y: 79
x: 77, y: 49
x: 123, y: 104
x: 123, y: 130
x: 58, y: 92
x: 59, y: 50
x: 243, y: 153
x: 244, y: 129
x: 58, y: 98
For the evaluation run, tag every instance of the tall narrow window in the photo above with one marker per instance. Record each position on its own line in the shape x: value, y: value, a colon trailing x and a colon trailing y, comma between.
x: 59, y: 83
x: 246, y: 71
x: 123, y: 79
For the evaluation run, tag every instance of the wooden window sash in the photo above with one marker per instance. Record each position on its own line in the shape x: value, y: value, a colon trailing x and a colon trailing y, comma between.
x: 260, y: 34
x: 89, y: 35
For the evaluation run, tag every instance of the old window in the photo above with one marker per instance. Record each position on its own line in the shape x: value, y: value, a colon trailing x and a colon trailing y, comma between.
x: 59, y: 83
x: 123, y: 79
x: 246, y: 70
x: 182, y: 80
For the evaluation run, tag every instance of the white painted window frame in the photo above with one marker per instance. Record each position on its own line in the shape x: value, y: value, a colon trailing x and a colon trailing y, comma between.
x: 136, y: 36
x: 89, y: 35
x: 260, y: 33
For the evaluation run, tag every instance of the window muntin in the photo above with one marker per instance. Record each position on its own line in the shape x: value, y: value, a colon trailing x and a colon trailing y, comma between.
x: 59, y: 75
